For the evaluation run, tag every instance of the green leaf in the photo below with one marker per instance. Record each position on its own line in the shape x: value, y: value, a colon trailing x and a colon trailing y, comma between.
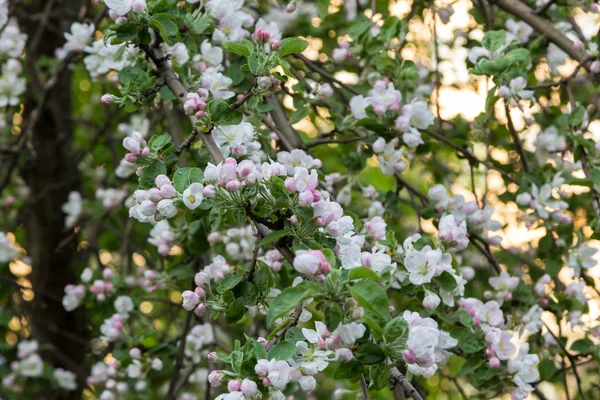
x: 467, y: 341
x: 323, y: 6
x: 235, y: 311
x: 547, y: 369
x: 254, y: 64
x: 135, y: 77
x: 517, y: 55
x: 369, y: 354
x: 471, y: 365
x: 363, y: 273
x: 576, y: 117
x: 333, y: 315
x: 166, y: 27
x: 215, y: 218
x: 294, y: 334
x: 274, y: 236
x: 292, y: 45
x: 126, y: 32
x: 159, y: 141
x: 229, y: 282
x: 221, y: 115
x: 493, y: 40
x: 259, y: 350
x: 241, y: 47
x: 201, y: 24
x: 149, y: 173
x: 446, y: 281
x: 372, y: 297
x: 396, y: 330
x: 184, y: 177
x: 282, y: 351
x: 290, y: 298
x: 348, y: 370
x: 582, y: 346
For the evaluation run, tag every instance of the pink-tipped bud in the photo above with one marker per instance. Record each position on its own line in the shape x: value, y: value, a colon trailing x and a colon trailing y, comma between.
x: 494, y: 362
x: 275, y: 45
x: 233, y: 385
x: 199, y: 310
x: 409, y: 356
x: 106, y: 99
x: 595, y: 67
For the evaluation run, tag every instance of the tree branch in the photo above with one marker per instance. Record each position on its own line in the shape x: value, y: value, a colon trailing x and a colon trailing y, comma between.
x: 541, y: 26
x: 399, y: 382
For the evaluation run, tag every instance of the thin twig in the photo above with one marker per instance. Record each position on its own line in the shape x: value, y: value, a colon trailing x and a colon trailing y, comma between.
x: 364, y: 386
x: 325, y: 74
x: 399, y: 382
x: 295, y: 317
x: 516, y: 139
x: 179, y: 358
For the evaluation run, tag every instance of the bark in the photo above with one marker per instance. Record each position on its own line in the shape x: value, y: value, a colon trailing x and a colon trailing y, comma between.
x: 50, y: 171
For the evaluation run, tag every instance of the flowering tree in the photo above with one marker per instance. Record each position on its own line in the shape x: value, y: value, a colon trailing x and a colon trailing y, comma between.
x: 246, y: 200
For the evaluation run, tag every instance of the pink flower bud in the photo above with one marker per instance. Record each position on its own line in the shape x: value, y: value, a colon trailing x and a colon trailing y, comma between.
x: 409, y: 356
x: 138, y: 6
x: 233, y: 385
x: 358, y: 313
x: 494, y: 362
x: 106, y: 99
x: 275, y: 45
x: 199, y: 310
x: 212, y: 356
x: 209, y: 191
x: 107, y: 273
x: 201, y: 279
x: 200, y: 292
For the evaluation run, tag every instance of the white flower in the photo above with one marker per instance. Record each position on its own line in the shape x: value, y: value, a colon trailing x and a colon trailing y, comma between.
x: 491, y: 314
x: 217, y: 83
x: 307, y: 383
x: 504, y: 282
x: 310, y: 360
x: 167, y: 208
x: 121, y: 7
x: 192, y: 196
x: 32, y: 366
x: 213, y: 55
x: 73, y: 208
x: 27, y: 348
x: 279, y: 373
x: 124, y: 305
x: 65, y: 379
x: 358, y: 106
x: 524, y: 368
x: 232, y: 137
x: 532, y: 319
x: 79, y: 36
x: 134, y: 370
x: 422, y: 265
x: 7, y: 250
x: 350, y: 333
x: 517, y: 30
x: 453, y: 232
x: 178, y: 54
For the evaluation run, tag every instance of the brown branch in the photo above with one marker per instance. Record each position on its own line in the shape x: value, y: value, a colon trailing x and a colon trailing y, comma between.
x: 158, y: 58
x: 571, y: 360
x: 540, y: 25
x: 295, y: 317
x: 324, y: 73
x: 249, y: 275
x: 179, y: 357
x: 237, y: 104
x: 365, y: 388
x: 468, y: 155
x: 332, y: 141
x: 564, y: 80
x: 399, y: 382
